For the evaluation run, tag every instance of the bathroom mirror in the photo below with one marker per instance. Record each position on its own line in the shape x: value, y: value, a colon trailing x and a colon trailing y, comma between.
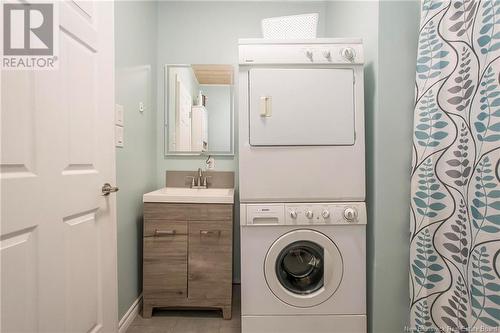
x: 199, y: 109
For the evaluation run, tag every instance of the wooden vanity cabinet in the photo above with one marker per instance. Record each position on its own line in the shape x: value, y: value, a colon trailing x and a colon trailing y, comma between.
x: 165, y: 259
x: 187, y: 257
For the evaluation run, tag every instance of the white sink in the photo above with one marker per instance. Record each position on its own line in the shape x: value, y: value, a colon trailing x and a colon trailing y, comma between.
x: 190, y: 195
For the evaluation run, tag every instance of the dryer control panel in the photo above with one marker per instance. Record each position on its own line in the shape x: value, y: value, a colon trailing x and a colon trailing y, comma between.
x: 348, y: 213
x: 314, y: 51
x: 303, y: 54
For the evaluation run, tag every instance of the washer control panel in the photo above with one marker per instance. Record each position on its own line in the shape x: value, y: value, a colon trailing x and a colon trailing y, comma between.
x: 323, y: 213
x: 348, y: 213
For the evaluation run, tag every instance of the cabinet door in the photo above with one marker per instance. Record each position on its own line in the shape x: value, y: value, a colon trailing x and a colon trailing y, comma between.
x: 165, y: 259
x: 210, y: 259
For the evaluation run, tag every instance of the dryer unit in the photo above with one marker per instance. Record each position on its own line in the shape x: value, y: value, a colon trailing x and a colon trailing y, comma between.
x: 301, y: 127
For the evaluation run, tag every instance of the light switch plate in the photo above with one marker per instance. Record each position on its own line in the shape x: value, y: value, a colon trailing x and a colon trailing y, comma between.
x: 141, y: 107
x: 119, y: 115
x: 119, y: 136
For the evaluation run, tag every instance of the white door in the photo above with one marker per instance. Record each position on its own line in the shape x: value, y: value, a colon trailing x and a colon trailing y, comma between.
x: 58, y: 234
x: 183, y: 104
x: 301, y: 107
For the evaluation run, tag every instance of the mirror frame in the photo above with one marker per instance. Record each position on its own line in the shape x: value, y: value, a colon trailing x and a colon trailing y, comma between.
x: 166, y: 131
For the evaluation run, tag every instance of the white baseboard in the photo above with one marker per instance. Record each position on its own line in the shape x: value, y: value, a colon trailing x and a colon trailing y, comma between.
x: 130, y: 315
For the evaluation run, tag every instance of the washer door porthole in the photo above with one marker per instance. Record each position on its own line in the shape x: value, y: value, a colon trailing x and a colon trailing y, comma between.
x: 300, y: 267
x: 303, y: 268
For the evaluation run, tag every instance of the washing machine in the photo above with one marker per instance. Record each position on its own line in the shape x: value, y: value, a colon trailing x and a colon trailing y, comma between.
x: 303, y: 268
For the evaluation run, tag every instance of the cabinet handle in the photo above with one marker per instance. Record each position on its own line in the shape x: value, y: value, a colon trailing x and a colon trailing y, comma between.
x: 210, y: 232
x: 165, y: 232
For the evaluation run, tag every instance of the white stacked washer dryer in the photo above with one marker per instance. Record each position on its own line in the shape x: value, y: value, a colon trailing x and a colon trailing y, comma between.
x: 302, y: 186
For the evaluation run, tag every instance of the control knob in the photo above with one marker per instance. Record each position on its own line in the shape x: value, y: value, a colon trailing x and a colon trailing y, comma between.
x: 309, y: 214
x: 293, y: 214
x: 327, y: 55
x: 325, y: 214
x: 350, y: 214
x: 348, y: 53
x: 309, y: 55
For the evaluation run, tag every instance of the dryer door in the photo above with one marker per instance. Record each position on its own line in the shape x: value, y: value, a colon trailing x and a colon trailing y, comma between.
x: 303, y: 268
x: 301, y: 107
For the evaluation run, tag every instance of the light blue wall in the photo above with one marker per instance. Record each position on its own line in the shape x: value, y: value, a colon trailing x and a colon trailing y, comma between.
x: 135, y: 78
x: 390, y: 174
x: 389, y: 30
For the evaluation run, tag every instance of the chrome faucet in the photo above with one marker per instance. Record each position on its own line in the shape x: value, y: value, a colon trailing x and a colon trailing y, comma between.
x: 199, y: 181
x: 200, y: 177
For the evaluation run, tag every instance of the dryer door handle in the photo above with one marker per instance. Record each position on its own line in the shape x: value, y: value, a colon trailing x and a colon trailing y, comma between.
x: 266, y: 106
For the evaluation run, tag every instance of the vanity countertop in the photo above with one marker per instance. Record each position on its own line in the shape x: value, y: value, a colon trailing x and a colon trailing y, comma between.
x: 191, y: 195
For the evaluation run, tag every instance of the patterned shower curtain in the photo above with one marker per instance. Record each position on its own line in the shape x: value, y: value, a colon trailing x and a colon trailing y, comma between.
x: 455, y: 181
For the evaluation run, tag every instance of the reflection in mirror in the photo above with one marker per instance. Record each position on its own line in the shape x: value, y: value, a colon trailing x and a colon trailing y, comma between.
x: 199, y: 109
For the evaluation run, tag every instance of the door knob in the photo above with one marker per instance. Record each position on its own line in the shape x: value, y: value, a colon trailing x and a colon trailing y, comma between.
x: 107, y: 189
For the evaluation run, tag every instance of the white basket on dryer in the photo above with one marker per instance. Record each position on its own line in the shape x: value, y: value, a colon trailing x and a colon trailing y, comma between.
x: 291, y: 27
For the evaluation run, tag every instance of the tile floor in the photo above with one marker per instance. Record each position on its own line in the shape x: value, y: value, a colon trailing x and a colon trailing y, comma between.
x: 190, y: 321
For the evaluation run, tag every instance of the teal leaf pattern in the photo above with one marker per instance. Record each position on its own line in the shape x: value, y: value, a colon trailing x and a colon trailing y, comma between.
x: 487, y: 123
x: 455, y: 177
x: 429, y: 5
x: 430, y: 129
x: 484, y: 300
x: 485, y: 208
x: 432, y: 57
x: 489, y: 38
x: 422, y: 317
x: 425, y: 266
